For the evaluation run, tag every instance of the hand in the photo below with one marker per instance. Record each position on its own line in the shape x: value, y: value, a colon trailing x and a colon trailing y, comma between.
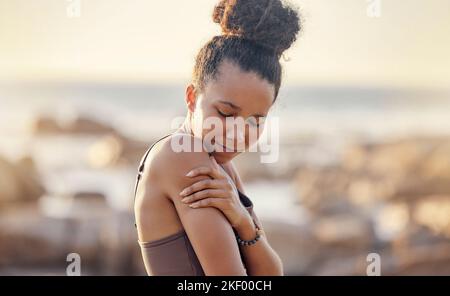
x: 219, y: 192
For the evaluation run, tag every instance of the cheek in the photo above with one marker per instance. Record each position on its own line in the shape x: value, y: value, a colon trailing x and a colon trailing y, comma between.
x: 213, y: 126
x: 199, y: 115
x: 220, y: 132
x: 253, y: 135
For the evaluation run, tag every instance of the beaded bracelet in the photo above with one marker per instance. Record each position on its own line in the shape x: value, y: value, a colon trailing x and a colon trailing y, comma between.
x: 250, y: 242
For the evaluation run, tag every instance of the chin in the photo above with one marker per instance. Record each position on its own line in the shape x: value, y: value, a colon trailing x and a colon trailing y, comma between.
x: 221, y: 154
x: 223, y: 157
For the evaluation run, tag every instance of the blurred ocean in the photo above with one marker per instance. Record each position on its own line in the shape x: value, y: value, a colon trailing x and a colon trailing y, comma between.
x: 141, y: 110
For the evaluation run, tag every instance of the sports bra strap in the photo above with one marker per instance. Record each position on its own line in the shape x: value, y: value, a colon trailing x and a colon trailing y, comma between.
x: 142, y: 166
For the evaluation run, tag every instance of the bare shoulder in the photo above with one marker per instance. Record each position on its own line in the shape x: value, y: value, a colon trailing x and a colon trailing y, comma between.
x: 165, y: 156
x: 175, y: 156
x: 165, y: 165
x: 156, y: 201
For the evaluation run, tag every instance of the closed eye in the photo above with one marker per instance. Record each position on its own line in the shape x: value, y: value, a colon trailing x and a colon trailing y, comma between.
x: 223, y: 114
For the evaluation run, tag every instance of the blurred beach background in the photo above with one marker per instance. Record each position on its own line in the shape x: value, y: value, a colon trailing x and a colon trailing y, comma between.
x: 364, y: 112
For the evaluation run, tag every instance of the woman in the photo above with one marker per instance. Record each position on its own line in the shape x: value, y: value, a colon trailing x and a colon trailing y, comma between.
x: 192, y: 215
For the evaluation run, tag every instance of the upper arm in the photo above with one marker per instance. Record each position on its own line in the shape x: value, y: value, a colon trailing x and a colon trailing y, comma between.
x: 209, y: 232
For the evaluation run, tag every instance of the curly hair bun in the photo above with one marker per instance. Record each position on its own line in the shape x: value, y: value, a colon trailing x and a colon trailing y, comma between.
x: 270, y: 23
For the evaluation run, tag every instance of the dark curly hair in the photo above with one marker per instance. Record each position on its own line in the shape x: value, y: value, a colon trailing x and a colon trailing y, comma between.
x: 255, y: 33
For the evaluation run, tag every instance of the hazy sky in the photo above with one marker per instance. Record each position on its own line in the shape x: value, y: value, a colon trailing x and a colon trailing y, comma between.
x: 146, y: 40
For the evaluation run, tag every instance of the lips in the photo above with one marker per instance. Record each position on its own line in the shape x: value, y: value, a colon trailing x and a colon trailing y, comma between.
x: 229, y: 150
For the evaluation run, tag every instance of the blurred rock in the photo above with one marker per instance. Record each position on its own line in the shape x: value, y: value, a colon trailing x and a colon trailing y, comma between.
x: 395, y: 159
x: 114, y: 150
x: 430, y: 260
x: 10, y: 189
x: 323, y: 190
x: 366, y: 191
x: 30, y: 180
x: 91, y: 197
x: 344, y: 231
x: 19, y: 182
x: 88, y: 126
x: 391, y: 198
x: 437, y: 163
x: 45, y: 125
x: 78, y: 206
x: 434, y: 213
x: 415, y: 187
x: 250, y: 167
x: 27, y: 238
x: 355, y: 157
x: 340, y: 264
x: 80, y: 125
x: 296, y: 246
x: 392, y: 220
x: 107, y: 243
x: 396, y: 170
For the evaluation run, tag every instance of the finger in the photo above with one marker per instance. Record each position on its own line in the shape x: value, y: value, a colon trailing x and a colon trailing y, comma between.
x: 219, y: 203
x: 200, y: 185
x: 207, y: 193
x: 205, y: 170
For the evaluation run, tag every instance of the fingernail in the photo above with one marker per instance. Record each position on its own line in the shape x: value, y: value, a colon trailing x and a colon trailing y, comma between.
x: 193, y: 206
x: 190, y: 174
x: 185, y: 200
x: 182, y: 193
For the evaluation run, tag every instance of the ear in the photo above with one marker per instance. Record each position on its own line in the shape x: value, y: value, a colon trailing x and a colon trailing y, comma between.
x: 191, y: 97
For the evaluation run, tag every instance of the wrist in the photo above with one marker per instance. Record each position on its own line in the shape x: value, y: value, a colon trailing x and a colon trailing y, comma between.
x: 246, y: 230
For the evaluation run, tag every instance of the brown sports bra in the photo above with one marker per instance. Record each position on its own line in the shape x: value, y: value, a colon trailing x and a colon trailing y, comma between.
x: 173, y: 255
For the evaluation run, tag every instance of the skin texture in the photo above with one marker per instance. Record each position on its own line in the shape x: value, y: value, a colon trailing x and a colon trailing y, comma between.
x: 159, y: 208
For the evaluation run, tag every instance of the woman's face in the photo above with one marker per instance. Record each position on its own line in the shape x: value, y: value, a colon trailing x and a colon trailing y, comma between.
x: 238, y: 102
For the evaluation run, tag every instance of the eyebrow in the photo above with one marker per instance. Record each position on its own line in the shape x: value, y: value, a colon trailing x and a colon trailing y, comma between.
x: 239, y: 108
x: 231, y: 104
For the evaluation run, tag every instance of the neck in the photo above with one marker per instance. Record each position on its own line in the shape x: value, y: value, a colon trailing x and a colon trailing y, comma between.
x: 186, y: 127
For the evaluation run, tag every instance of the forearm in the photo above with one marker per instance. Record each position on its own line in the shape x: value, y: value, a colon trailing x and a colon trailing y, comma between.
x: 260, y: 259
